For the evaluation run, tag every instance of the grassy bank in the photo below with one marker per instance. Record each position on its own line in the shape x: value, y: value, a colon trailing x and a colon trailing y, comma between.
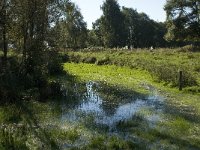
x: 162, y: 64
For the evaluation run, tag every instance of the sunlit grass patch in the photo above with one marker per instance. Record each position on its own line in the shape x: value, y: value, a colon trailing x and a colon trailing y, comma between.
x: 113, y: 75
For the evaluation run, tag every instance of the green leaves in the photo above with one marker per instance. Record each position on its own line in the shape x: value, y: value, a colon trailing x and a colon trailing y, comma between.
x: 183, y: 20
x: 112, y: 24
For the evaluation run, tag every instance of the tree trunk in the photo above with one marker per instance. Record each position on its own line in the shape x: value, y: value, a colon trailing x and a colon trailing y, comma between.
x: 5, y: 44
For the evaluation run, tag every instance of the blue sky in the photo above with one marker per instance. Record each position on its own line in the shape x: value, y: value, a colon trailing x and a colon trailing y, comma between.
x: 90, y: 9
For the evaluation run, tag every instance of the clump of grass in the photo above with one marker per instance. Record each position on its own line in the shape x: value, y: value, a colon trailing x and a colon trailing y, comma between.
x: 9, y: 138
x: 97, y: 143
x: 117, y: 143
x: 65, y: 135
x: 113, y: 142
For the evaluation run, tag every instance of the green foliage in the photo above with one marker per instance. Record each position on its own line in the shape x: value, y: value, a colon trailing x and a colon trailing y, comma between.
x: 28, y: 36
x: 111, y: 143
x: 103, y: 61
x: 167, y: 72
x: 183, y: 20
x: 9, y: 140
x: 71, y: 31
x: 112, y: 28
x: 142, y: 31
x: 54, y: 62
x: 91, y: 60
x: 133, y: 30
x: 9, y: 80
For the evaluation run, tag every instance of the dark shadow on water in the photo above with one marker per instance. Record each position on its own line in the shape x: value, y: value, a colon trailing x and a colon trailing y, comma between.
x: 114, y: 96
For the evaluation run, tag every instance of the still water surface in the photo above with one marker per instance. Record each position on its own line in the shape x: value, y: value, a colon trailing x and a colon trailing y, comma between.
x: 109, y: 112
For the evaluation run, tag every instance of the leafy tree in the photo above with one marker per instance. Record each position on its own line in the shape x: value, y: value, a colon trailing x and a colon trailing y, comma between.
x: 112, y: 24
x: 71, y: 30
x: 131, y: 24
x: 3, y: 25
x: 183, y: 20
x: 142, y: 31
x: 96, y: 34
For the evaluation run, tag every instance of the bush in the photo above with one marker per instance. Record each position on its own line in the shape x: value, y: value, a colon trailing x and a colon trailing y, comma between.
x: 90, y: 60
x: 54, y: 62
x: 104, y: 61
x: 64, y: 57
x: 193, y: 89
x: 74, y: 58
x: 168, y: 73
x: 189, y: 48
x: 9, y: 89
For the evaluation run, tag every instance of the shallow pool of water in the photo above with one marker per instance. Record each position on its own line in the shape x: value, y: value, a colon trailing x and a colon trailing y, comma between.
x: 109, y: 112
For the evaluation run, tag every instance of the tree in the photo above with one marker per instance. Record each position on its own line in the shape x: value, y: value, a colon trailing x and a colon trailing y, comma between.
x: 183, y: 20
x: 96, y: 34
x: 76, y: 27
x: 131, y: 25
x: 113, y: 24
x: 3, y: 25
x: 142, y: 31
x: 71, y: 29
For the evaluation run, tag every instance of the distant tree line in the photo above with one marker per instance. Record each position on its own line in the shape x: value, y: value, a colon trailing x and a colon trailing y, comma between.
x: 64, y: 27
x: 119, y: 27
x: 125, y: 27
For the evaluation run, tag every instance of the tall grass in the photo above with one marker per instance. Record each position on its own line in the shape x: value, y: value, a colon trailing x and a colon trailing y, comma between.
x: 163, y: 64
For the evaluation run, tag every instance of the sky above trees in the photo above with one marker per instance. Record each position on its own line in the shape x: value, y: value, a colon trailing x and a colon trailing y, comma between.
x: 91, y: 8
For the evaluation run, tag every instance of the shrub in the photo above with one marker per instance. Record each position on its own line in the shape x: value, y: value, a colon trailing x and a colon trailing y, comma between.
x: 104, y: 61
x: 74, y: 58
x: 64, y: 57
x: 189, y: 48
x: 54, y: 62
x: 90, y: 60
